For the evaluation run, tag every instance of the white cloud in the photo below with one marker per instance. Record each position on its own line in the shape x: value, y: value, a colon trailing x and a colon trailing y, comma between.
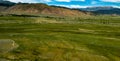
x: 22, y: 1
x: 30, y: 1
x: 77, y: 6
x: 116, y: 6
x: 77, y: 0
x: 68, y: 0
x: 73, y: 6
x: 63, y: 0
x: 118, y: 1
x: 82, y: 0
x: 45, y: 0
x: 93, y: 2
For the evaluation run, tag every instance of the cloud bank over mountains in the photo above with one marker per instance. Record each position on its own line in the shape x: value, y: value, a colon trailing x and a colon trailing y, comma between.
x: 74, y: 3
x: 117, y: 1
x: 35, y: 1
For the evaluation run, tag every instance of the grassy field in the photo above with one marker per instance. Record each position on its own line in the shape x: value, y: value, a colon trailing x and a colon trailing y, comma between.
x: 50, y: 38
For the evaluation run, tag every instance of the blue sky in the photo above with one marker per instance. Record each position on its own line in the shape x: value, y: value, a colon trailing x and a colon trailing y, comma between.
x: 75, y: 3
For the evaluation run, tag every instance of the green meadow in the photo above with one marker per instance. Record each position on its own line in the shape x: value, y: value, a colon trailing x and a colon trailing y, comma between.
x: 54, y: 38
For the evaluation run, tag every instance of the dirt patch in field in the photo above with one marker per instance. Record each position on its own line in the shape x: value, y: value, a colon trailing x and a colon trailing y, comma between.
x: 7, y: 45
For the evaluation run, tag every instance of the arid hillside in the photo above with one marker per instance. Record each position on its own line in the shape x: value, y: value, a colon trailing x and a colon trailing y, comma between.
x: 25, y: 8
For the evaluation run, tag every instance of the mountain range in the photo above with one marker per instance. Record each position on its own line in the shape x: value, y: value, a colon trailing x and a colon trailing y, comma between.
x: 102, y: 10
x: 8, y: 7
x: 6, y: 3
x: 40, y: 8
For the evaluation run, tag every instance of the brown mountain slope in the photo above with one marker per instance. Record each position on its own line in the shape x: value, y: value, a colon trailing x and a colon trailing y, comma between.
x: 42, y: 9
x: 3, y: 8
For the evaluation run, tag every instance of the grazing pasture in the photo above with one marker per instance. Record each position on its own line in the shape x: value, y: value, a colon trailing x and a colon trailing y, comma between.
x: 52, y: 38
